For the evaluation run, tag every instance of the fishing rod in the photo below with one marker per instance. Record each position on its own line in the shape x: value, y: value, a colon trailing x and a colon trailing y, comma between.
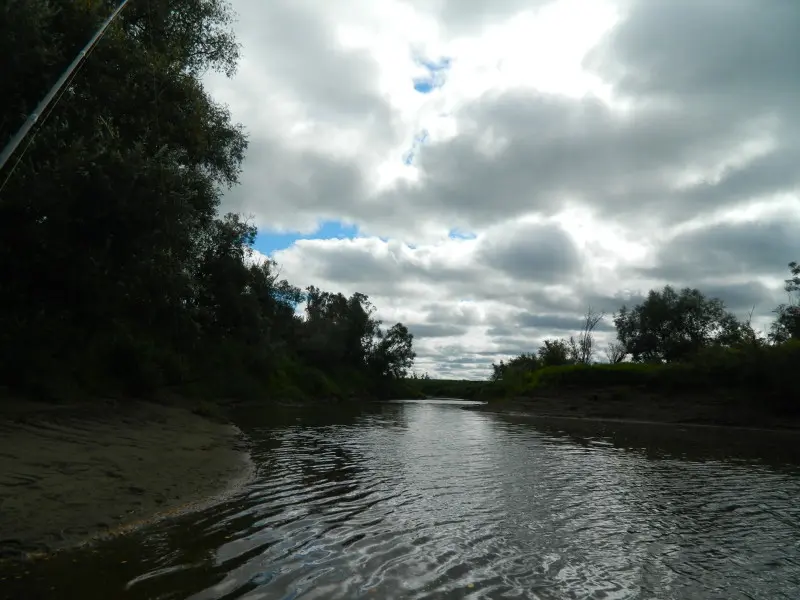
x: 15, y: 141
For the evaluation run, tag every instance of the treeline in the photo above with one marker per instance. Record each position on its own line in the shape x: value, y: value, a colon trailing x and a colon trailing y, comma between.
x: 117, y: 273
x: 675, y: 340
x: 463, y: 389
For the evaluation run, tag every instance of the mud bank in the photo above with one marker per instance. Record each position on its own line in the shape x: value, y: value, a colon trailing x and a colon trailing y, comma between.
x: 71, y: 474
x: 639, y: 407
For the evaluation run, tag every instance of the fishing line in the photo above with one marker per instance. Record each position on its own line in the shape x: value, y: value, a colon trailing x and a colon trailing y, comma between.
x: 45, y: 108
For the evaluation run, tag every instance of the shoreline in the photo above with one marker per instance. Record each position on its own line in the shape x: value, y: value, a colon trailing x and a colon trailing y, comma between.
x: 73, y: 475
x: 606, y: 406
x: 528, y: 414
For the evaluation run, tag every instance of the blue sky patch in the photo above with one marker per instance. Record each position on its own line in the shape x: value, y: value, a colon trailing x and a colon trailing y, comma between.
x: 423, y: 86
x: 457, y: 234
x: 435, y: 76
x: 419, y: 140
x: 268, y: 242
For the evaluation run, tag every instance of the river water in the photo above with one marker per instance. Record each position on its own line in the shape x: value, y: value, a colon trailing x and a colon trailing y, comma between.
x: 433, y: 500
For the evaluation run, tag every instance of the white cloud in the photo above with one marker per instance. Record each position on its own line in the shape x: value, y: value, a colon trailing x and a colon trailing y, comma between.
x: 595, y: 149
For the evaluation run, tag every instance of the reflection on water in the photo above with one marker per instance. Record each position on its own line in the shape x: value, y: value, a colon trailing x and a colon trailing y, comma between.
x: 427, y: 500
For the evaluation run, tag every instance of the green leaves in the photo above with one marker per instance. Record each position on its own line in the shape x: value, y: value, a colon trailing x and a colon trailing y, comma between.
x: 671, y: 325
x: 787, y: 323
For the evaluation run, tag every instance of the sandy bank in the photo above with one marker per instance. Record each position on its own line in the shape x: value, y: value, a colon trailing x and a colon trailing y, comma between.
x: 71, y: 474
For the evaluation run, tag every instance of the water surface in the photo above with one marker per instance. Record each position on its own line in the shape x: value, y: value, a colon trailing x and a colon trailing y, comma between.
x: 430, y: 500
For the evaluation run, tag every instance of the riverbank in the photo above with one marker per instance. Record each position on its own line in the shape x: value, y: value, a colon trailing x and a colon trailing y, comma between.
x: 72, y: 474
x: 623, y: 404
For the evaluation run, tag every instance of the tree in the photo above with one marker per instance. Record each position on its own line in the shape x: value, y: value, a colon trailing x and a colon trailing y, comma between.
x: 339, y: 331
x: 107, y: 211
x: 524, y: 363
x: 394, y: 355
x: 787, y: 324
x: 582, y: 347
x: 554, y: 353
x: 670, y: 325
x: 615, y: 352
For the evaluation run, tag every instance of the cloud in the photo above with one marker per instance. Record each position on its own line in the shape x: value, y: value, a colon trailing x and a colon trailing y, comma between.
x: 436, y: 330
x: 469, y: 16
x: 737, y: 58
x: 590, y: 151
x: 728, y: 250
x: 740, y: 52
x: 536, y: 251
x: 569, y: 323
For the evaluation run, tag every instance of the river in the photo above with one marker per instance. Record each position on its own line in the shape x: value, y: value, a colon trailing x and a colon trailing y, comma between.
x: 428, y: 499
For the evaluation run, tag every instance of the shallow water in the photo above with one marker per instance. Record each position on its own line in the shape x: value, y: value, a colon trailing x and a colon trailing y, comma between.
x: 429, y: 500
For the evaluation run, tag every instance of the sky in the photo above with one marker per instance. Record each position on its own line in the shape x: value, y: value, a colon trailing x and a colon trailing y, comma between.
x: 486, y: 170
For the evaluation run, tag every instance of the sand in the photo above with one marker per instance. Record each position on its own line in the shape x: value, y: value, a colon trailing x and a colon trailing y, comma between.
x: 73, y: 474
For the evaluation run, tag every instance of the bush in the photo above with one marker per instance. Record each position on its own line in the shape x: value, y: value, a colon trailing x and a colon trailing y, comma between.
x: 765, y: 374
x: 602, y: 375
x: 449, y: 388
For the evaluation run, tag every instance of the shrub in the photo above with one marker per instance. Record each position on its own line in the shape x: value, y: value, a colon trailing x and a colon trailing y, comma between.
x: 764, y: 374
x: 601, y: 375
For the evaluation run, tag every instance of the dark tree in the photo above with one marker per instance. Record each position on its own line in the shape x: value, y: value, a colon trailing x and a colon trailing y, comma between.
x: 394, y: 354
x: 787, y: 323
x: 554, y: 353
x: 524, y: 363
x: 670, y: 325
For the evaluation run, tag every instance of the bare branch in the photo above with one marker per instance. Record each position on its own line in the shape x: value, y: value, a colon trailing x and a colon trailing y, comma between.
x: 583, y: 348
x: 615, y: 352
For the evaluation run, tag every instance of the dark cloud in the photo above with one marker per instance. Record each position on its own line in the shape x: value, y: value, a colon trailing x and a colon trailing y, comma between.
x: 501, y: 330
x: 515, y: 345
x: 537, y: 251
x: 554, y: 148
x: 505, y: 263
x: 287, y: 189
x: 354, y: 263
x: 738, y: 57
x: 436, y: 330
x: 770, y: 174
x: 294, y: 43
x: 611, y: 303
x: 741, y: 298
x: 561, y: 323
x: 728, y: 250
x: 463, y: 314
x: 470, y: 16
x: 744, y: 52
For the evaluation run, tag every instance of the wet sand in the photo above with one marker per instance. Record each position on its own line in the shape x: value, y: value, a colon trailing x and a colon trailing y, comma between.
x: 69, y: 475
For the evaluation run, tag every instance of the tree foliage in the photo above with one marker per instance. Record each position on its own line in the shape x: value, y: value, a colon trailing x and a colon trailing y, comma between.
x: 393, y: 354
x: 116, y: 268
x: 554, y: 353
x: 672, y: 325
x: 615, y: 352
x: 524, y: 363
x: 787, y: 323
